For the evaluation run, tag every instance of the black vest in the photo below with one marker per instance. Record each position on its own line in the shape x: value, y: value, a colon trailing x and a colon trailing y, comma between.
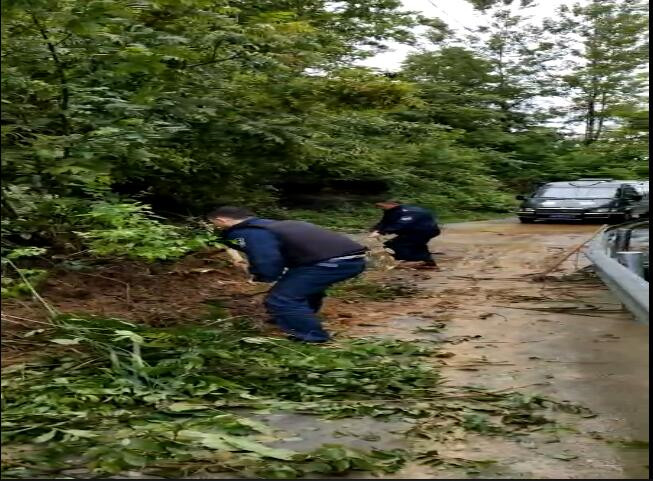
x: 303, y: 243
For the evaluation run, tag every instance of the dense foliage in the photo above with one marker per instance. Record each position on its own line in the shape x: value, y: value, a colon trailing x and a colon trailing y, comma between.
x: 181, y: 105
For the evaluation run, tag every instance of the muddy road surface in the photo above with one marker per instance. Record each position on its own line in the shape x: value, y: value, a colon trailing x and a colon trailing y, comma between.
x: 565, y: 337
x: 495, y: 327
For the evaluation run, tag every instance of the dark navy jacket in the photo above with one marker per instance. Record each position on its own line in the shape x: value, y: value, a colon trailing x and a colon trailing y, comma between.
x: 262, y: 248
x: 406, y: 220
x: 271, y: 246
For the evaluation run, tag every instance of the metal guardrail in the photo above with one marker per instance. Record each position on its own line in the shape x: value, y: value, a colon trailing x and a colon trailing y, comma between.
x: 630, y: 289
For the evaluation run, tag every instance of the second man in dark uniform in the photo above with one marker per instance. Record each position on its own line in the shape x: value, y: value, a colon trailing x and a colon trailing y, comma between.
x: 413, y: 227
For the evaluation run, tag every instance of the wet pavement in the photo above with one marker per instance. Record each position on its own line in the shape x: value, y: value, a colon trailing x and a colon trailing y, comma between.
x: 569, y: 340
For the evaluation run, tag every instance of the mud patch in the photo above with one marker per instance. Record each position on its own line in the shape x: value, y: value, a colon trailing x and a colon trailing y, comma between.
x: 200, y: 287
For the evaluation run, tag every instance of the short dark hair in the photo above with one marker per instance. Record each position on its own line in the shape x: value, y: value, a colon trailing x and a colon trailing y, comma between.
x: 230, y: 212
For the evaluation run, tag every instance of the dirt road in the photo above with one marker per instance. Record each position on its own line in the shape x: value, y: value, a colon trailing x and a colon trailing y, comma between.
x: 566, y: 339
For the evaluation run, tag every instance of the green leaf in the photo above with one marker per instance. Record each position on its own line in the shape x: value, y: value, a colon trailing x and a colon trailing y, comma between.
x: 80, y: 433
x: 187, y: 406
x: 132, y: 336
x: 43, y: 438
x: 280, y: 472
x: 258, y: 340
x: 260, y: 449
x: 255, y: 425
x: 317, y: 467
x: 134, y: 459
x: 26, y: 252
x: 228, y: 442
x: 209, y: 440
x: 66, y: 342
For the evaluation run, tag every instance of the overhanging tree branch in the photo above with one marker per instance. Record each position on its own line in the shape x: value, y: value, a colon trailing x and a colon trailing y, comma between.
x: 212, y: 61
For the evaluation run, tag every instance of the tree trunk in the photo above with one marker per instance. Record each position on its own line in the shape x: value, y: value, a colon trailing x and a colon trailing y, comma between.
x: 601, y: 116
x: 64, y: 95
x: 590, y: 119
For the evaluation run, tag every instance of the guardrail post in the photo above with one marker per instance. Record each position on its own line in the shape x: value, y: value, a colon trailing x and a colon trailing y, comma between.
x: 622, y: 240
x: 633, y: 261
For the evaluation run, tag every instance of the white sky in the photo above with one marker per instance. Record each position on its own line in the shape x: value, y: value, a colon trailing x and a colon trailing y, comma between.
x: 458, y: 14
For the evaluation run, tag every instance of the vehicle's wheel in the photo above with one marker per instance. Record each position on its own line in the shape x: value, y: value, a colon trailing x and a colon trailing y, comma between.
x: 526, y: 220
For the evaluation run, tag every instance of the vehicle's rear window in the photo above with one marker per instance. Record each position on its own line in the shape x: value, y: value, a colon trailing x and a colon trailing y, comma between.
x: 571, y: 192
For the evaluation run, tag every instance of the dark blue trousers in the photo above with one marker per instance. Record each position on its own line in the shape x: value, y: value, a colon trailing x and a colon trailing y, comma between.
x: 293, y: 302
x: 411, y: 247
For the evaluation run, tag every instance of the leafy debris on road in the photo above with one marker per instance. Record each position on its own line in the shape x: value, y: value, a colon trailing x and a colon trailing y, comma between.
x: 364, y: 288
x: 125, y: 396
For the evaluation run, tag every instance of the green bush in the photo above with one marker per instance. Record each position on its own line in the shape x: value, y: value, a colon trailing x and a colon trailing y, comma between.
x: 132, y: 230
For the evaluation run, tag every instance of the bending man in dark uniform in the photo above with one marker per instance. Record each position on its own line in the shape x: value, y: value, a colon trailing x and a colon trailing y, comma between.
x: 414, y: 227
x: 303, y: 259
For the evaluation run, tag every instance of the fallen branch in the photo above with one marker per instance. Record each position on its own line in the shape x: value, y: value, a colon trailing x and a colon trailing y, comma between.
x: 486, y: 278
x: 243, y: 294
x: 5, y: 316
x: 512, y: 388
x: 51, y: 310
x: 576, y: 362
x: 477, y: 364
x: 577, y: 311
x: 542, y: 276
x: 504, y: 342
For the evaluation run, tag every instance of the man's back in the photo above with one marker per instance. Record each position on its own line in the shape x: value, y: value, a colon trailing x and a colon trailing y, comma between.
x: 305, y: 243
x: 408, y: 218
x: 272, y: 245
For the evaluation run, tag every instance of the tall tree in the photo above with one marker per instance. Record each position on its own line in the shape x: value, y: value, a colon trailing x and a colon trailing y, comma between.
x: 605, y: 46
x: 509, y: 40
x: 487, y: 84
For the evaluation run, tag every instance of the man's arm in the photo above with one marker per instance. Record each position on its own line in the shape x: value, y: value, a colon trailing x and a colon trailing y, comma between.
x: 263, y: 251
